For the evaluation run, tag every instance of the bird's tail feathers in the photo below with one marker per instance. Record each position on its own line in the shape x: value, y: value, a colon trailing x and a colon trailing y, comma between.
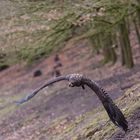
x: 115, y: 115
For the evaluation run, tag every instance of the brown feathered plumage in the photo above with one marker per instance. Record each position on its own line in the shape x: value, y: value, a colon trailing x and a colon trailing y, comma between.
x: 113, y: 111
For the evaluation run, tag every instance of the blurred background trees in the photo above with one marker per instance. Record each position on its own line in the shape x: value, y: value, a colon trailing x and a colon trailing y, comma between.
x: 47, y: 25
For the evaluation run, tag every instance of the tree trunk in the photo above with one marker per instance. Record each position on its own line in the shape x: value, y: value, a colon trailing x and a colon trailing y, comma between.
x: 109, y: 50
x: 138, y: 12
x: 96, y: 44
x: 126, y: 51
x: 137, y: 31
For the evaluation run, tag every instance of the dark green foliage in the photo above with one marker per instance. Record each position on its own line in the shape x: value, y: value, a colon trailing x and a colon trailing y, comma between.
x: 67, y: 19
x: 3, y: 67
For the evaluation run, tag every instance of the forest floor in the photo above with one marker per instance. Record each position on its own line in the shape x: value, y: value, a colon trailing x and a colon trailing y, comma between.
x: 63, y: 113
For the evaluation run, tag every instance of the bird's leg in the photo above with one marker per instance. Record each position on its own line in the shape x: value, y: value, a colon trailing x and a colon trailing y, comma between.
x: 83, y: 87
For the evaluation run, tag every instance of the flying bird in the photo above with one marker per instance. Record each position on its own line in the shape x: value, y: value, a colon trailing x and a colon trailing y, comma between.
x: 78, y: 80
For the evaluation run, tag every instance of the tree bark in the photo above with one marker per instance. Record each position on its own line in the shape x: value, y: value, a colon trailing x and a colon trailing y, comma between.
x: 126, y: 51
x: 137, y: 31
x: 108, y: 49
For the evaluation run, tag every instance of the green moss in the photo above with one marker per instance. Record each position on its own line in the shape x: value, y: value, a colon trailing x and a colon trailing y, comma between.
x: 94, y: 124
x: 7, y: 110
x: 99, y: 127
x: 7, y: 104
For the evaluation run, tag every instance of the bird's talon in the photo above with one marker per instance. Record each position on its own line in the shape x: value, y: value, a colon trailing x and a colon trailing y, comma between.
x: 83, y: 87
x: 71, y: 85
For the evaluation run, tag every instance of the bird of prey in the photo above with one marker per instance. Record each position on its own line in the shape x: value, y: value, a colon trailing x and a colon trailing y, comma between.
x: 78, y: 80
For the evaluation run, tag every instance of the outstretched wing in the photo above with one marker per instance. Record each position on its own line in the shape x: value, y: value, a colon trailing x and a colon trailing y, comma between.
x: 28, y: 97
x: 115, y: 114
x: 113, y: 111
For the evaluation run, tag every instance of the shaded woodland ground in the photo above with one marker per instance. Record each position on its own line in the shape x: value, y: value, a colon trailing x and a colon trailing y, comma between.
x: 62, y: 113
